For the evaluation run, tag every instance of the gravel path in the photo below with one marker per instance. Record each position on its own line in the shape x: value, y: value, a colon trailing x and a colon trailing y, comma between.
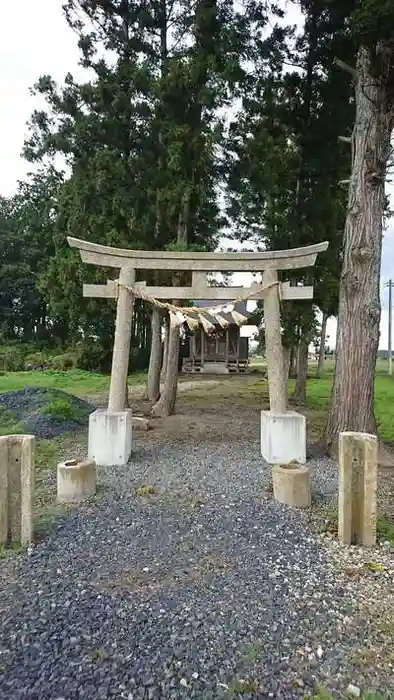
x: 204, y: 589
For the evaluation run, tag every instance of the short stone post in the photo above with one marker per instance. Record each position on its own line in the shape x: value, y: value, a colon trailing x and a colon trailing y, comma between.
x: 17, y: 477
x: 282, y: 432
x: 76, y: 481
x: 358, y: 467
x: 292, y: 485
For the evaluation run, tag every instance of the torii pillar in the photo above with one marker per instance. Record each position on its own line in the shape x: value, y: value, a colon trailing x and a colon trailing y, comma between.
x: 110, y: 430
x: 282, y: 432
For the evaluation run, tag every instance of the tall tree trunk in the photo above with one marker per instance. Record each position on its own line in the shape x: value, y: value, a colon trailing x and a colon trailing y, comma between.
x: 162, y: 19
x: 302, y: 368
x: 352, y: 401
x: 153, y: 382
x: 322, y: 348
x: 166, y: 404
x: 286, y: 365
x: 165, y: 347
x: 293, y: 362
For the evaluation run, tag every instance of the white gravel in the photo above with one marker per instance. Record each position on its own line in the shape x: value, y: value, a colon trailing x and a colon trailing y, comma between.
x: 206, y: 589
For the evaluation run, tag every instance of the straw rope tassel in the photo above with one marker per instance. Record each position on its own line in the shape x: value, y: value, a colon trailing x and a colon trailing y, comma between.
x: 221, y: 320
x: 238, y: 318
x: 181, y: 314
x: 207, y: 325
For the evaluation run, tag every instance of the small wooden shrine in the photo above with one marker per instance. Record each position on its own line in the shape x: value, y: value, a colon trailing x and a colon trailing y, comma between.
x: 219, y: 352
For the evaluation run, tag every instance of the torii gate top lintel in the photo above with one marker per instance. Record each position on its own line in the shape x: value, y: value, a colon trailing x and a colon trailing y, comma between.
x: 292, y: 258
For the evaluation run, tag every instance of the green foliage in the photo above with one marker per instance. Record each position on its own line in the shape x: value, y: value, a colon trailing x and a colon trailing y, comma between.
x: 11, y: 359
x: 94, y: 357
x: 37, y: 359
x: 9, y: 424
x: 145, y: 491
x: 7, y: 551
x: 286, y: 160
x: 139, y: 360
x: 242, y: 687
x: 141, y: 139
x: 64, y: 362
x: 62, y: 409
x: 385, y: 529
x: 26, y: 243
x: 322, y: 694
x: 372, y: 21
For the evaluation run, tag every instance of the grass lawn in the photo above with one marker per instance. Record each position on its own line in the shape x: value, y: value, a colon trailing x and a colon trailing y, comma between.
x: 319, y: 392
x: 76, y: 381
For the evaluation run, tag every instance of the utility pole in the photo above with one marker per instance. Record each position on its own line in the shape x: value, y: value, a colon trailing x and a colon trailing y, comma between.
x: 390, y: 285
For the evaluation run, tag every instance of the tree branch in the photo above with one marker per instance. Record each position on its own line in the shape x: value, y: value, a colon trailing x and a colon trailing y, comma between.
x: 345, y: 66
x: 345, y: 139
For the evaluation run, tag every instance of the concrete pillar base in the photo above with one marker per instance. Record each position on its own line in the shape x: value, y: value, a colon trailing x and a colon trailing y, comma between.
x: 283, y: 437
x: 291, y: 484
x: 76, y: 481
x: 110, y: 437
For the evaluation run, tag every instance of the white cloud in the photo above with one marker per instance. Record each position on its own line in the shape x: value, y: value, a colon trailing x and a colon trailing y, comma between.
x: 34, y: 40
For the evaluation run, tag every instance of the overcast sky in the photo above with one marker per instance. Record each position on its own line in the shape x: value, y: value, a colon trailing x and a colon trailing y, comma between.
x: 34, y: 40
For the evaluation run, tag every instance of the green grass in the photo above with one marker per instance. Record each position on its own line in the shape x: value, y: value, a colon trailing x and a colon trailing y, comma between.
x: 9, y: 424
x: 385, y: 529
x: 7, y: 551
x: 319, y: 393
x: 324, y: 694
x: 62, y: 409
x: 76, y: 381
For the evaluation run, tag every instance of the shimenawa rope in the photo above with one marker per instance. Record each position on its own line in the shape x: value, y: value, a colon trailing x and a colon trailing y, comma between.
x: 181, y: 314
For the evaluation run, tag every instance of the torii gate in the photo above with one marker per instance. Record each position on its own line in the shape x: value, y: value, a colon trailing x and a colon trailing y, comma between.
x: 283, y: 433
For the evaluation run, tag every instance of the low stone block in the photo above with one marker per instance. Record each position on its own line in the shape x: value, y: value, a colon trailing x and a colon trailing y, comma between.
x: 140, y: 423
x: 110, y: 437
x: 17, y: 481
x: 76, y: 481
x: 291, y: 483
x: 214, y: 368
x: 283, y: 437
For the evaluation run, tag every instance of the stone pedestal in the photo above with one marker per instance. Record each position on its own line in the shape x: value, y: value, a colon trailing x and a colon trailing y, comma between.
x: 17, y: 476
x: 283, y: 437
x: 214, y: 368
x: 358, y: 460
x: 110, y: 437
x: 76, y: 481
x: 291, y: 483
